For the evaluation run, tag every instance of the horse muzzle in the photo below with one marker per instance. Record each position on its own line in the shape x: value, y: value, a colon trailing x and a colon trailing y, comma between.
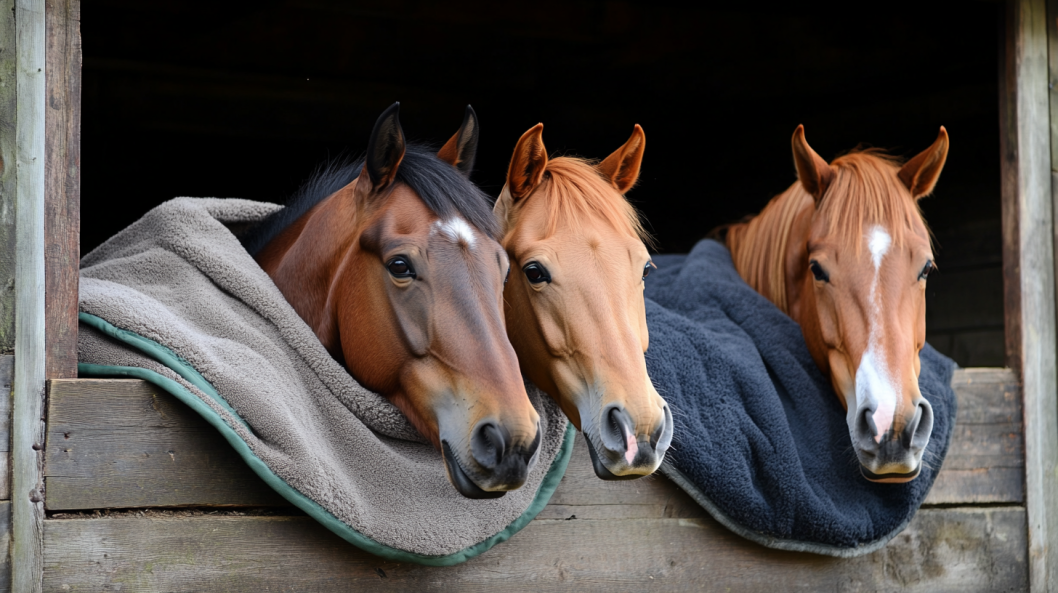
x: 617, y: 454
x: 495, y: 465
x: 892, y: 457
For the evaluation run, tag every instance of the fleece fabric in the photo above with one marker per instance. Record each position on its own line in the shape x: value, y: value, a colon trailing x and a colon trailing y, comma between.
x: 176, y: 300
x: 761, y: 440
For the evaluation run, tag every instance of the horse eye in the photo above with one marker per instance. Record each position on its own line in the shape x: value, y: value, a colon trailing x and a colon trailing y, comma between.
x: 400, y: 268
x: 647, y: 269
x: 508, y: 276
x: 926, y: 270
x: 818, y: 271
x: 536, y: 273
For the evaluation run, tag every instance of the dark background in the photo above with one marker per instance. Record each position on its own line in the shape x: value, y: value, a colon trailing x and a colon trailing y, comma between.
x: 244, y: 99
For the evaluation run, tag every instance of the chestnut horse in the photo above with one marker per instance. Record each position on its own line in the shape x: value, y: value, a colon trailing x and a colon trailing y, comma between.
x: 394, y: 264
x: 575, y: 312
x: 845, y: 252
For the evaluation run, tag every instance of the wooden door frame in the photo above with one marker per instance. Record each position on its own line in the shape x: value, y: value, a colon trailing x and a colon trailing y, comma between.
x: 45, y: 165
x: 1029, y: 264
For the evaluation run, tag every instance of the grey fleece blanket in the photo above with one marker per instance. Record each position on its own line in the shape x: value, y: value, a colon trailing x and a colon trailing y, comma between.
x: 176, y: 300
x: 760, y: 439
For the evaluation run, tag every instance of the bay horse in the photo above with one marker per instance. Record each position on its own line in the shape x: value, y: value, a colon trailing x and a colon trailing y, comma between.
x: 393, y: 262
x: 846, y: 252
x: 575, y: 310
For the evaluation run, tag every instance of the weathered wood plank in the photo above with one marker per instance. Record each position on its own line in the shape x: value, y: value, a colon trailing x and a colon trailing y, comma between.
x: 5, y: 546
x: 7, y: 380
x: 27, y: 508
x: 943, y: 550
x: 985, y: 463
x: 8, y: 64
x: 1029, y: 269
x: 126, y: 444
x: 62, y: 222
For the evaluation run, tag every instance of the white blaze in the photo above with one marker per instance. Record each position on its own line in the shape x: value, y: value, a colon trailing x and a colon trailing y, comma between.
x: 455, y: 230
x: 878, y: 243
x: 874, y: 383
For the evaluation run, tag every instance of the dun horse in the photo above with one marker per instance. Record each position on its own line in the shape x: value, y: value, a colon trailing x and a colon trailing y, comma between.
x: 845, y: 252
x: 575, y: 310
x: 394, y: 264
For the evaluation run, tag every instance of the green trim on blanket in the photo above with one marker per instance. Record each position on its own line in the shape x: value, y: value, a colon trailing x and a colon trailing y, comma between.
x: 162, y: 355
x: 169, y: 359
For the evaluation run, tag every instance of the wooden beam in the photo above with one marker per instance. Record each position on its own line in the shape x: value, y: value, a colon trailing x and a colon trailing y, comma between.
x: 27, y: 508
x: 957, y: 550
x: 137, y: 446
x: 1029, y: 270
x: 8, y: 65
x: 127, y: 444
x: 62, y: 250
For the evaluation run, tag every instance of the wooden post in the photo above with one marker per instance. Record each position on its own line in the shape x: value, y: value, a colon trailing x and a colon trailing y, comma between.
x: 27, y: 508
x: 1029, y: 270
x: 62, y: 205
x: 7, y: 176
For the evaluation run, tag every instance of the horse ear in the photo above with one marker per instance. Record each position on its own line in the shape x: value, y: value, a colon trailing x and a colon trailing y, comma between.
x: 813, y: 172
x: 920, y: 174
x: 385, y: 149
x: 461, y: 148
x: 527, y: 164
x: 622, y: 167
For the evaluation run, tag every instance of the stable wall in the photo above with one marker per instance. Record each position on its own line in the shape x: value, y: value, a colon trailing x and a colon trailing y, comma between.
x: 244, y: 99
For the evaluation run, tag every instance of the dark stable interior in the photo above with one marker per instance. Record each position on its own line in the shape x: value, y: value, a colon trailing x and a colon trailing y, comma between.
x: 245, y: 99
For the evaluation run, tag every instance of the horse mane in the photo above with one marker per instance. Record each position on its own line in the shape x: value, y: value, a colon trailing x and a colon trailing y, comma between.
x: 865, y: 191
x: 573, y: 189
x: 443, y: 189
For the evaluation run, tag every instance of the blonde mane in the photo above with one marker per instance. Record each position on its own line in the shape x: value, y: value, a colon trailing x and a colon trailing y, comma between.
x: 573, y: 189
x: 865, y: 191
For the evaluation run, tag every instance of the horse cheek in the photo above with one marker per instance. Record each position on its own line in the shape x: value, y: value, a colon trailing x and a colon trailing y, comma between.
x: 412, y: 309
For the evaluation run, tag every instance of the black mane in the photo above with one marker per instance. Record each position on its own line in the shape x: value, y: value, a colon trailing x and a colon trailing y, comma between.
x: 444, y: 190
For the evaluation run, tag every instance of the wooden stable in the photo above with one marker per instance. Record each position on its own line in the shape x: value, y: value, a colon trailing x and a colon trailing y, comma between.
x: 114, y: 485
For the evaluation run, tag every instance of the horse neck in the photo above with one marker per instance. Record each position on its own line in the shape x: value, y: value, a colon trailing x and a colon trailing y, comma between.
x: 764, y: 249
x: 304, y: 261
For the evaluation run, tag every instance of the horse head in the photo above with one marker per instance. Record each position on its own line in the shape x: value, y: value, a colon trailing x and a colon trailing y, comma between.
x: 856, y: 276
x: 400, y: 275
x: 574, y: 305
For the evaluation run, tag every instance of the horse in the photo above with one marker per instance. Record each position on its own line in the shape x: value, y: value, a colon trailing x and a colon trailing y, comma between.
x: 576, y: 313
x: 393, y: 262
x: 845, y: 252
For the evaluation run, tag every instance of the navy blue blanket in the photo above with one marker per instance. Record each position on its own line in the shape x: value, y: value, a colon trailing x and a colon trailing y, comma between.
x: 761, y: 440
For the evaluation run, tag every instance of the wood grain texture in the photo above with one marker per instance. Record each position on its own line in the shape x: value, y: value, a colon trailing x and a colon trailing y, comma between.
x: 5, y: 546
x: 27, y: 508
x: 8, y: 64
x: 7, y: 381
x: 986, y: 460
x: 127, y: 444
x: 62, y: 251
x: 943, y: 550
x: 1028, y: 198
x: 1008, y: 172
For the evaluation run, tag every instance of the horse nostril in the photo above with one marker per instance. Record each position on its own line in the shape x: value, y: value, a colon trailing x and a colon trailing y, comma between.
x: 867, y: 424
x: 616, y: 427
x: 488, y: 444
x: 916, y: 434
x: 911, y: 428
